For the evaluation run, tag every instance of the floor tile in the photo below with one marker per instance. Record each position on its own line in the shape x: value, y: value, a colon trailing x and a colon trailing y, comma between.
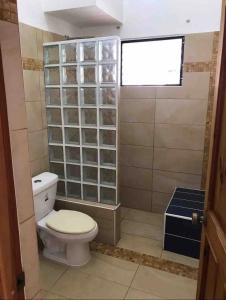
x: 49, y: 272
x: 110, y: 268
x: 144, y: 217
x: 189, y: 261
x: 163, y: 284
x: 140, y: 244
x: 124, y: 211
x: 75, y: 284
x: 142, y: 229
x: 136, y: 295
x: 45, y: 295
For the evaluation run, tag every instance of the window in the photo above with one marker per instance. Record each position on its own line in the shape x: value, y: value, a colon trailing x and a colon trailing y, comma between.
x: 152, y: 62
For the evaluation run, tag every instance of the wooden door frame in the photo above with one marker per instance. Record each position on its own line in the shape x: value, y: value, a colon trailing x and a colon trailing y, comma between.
x: 10, y: 257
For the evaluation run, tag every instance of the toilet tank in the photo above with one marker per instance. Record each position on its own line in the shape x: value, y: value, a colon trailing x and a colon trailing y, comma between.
x: 44, y: 188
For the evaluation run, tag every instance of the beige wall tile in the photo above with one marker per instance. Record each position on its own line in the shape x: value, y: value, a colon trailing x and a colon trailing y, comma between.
x: 195, y: 45
x: 34, y: 115
x: 136, y: 177
x: 160, y: 202
x: 28, y: 41
x: 30, y: 259
x: 136, y: 156
x: 21, y: 172
x: 172, y: 111
x: 39, y: 166
x: 39, y: 37
x: 174, y: 160
x: 165, y: 182
x: 31, y: 85
x: 179, y: 136
x: 139, y: 134
x: 137, y: 92
x: 36, y: 146
x: 140, y: 111
x: 195, y: 86
x: 45, y: 143
x: 135, y: 198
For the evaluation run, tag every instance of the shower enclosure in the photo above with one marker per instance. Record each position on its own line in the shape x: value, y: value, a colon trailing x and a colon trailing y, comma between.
x: 82, y: 91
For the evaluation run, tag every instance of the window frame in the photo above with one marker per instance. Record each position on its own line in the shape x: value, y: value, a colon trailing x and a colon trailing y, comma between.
x: 182, y: 37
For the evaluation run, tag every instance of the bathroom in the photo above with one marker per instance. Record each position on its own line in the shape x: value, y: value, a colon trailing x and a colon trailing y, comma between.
x: 121, y: 147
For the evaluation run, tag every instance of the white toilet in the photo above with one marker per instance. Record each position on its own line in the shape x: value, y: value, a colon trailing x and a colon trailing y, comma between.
x: 65, y: 234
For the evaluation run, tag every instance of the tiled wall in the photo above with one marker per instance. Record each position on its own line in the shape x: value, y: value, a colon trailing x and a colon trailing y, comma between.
x: 163, y: 131
x: 32, y: 40
x: 10, y: 46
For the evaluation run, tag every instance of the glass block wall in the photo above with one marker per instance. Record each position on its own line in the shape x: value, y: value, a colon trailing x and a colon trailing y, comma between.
x: 81, y: 87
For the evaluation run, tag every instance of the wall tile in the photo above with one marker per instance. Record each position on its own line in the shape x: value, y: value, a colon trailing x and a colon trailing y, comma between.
x: 179, y: 136
x: 136, y: 156
x: 39, y: 37
x: 34, y: 115
x: 136, y: 177
x: 28, y: 41
x: 30, y: 260
x: 160, y: 202
x: 140, y: 111
x: 39, y: 166
x: 135, y: 198
x: 195, y: 86
x: 36, y: 146
x: 166, y: 182
x: 139, y: 134
x: 194, y: 45
x: 31, y: 85
x: 137, y: 92
x: 172, y: 111
x: 21, y: 173
x: 174, y: 160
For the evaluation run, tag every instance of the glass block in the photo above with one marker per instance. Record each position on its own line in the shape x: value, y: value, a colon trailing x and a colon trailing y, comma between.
x: 88, y: 74
x: 108, y: 96
x: 90, y: 193
x: 72, y: 136
x: 71, y: 116
x: 88, y: 51
x: 53, y: 96
x: 108, y: 158
x: 69, y: 53
x: 89, y: 156
x: 51, y: 55
x: 108, y: 177
x: 56, y: 153
x: 88, y: 96
x: 72, y: 154
x: 107, y: 196
x: 55, y: 135
x: 57, y: 169
x: 74, y: 190
x: 89, y: 137
x: 107, y: 138
x: 108, y: 117
x: 73, y: 172
x: 70, y: 96
x: 54, y: 116
x: 90, y: 174
x: 52, y: 76
x: 108, y: 73
x: 89, y: 117
x: 69, y: 74
x: 61, y: 188
x: 108, y: 50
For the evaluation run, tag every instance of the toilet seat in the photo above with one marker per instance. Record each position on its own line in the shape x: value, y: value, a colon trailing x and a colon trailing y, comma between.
x: 70, y: 222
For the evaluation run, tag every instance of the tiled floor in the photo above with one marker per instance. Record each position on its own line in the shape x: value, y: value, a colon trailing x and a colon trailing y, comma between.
x: 143, y: 232
x: 106, y: 277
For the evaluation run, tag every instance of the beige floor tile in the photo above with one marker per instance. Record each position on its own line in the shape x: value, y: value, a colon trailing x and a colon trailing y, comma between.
x: 144, y: 217
x: 136, y: 294
x: 50, y: 272
x: 111, y: 268
x: 140, y: 244
x: 75, y: 284
x: 192, y: 262
x: 163, y: 284
x: 124, y: 211
x: 45, y: 295
x: 142, y: 229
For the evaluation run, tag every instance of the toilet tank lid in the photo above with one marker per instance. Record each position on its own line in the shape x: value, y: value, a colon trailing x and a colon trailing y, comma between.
x: 43, y: 181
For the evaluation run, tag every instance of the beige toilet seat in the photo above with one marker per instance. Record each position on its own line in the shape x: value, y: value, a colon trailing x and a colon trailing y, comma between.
x: 70, y: 222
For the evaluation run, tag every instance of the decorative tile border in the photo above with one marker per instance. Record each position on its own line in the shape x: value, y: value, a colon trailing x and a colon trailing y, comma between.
x: 146, y: 260
x: 8, y: 11
x: 32, y: 64
x: 197, y: 67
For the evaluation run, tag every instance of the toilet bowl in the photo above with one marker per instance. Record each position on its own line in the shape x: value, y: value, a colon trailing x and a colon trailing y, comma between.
x: 65, y: 234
